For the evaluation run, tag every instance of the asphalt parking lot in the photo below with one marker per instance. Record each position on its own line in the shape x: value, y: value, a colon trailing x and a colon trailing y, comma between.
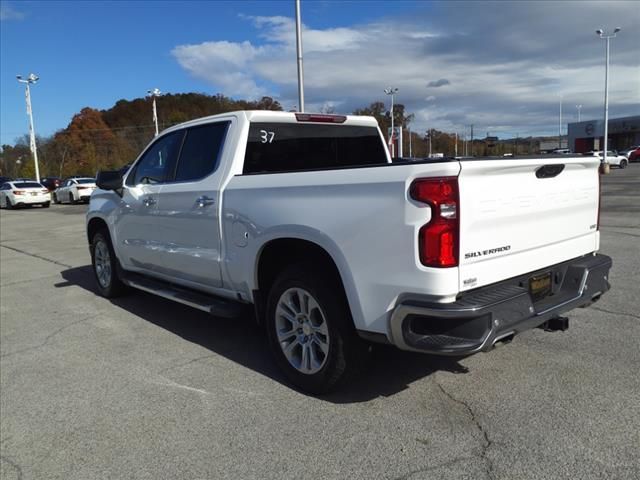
x: 142, y: 388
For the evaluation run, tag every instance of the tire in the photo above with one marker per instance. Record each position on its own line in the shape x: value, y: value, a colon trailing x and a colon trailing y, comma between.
x: 320, y: 323
x: 623, y: 164
x: 46, y: 204
x: 7, y: 204
x: 55, y: 199
x: 71, y: 200
x: 105, y: 267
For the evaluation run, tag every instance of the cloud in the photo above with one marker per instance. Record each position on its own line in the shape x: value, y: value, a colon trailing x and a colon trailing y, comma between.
x: 438, y: 83
x: 223, y: 64
x: 7, y: 12
x: 502, y: 72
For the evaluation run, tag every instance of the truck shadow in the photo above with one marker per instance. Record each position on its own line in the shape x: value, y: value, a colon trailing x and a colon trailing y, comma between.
x: 241, y: 340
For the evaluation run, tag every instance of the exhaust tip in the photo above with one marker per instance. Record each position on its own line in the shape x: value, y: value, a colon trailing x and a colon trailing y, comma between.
x: 503, y: 339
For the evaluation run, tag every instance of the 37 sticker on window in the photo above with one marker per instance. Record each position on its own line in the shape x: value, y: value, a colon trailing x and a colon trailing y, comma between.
x: 266, y: 137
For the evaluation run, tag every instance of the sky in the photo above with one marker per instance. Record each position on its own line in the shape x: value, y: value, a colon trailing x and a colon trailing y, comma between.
x: 503, y: 66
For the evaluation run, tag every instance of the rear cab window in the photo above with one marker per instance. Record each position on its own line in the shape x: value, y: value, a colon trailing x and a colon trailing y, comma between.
x: 27, y: 185
x: 291, y: 147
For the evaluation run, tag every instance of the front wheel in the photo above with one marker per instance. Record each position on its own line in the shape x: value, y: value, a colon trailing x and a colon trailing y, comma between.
x: 55, y: 199
x: 310, y: 329
x: 623, y: 164
x: 103, y: 259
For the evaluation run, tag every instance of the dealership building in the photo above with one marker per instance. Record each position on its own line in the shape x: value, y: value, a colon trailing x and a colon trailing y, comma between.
x: 589, y: 135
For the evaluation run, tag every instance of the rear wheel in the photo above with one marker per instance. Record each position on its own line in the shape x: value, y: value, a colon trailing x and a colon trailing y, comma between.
x: 310, y: 329
x: 623, y: 164
x: 71, y: 200
x: 104, y: 264
x: 7, y: 203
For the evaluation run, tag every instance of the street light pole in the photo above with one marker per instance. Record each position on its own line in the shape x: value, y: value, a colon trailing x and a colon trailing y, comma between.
x: 299, y: 57
x: 32, y: 78
x: 153, y: 94
x: 601, y: 34
x: 579, y: 107
x: 560, y: 124
x: 391, y: 91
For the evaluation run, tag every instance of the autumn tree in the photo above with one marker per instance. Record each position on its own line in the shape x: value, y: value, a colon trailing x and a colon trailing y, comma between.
x: 88, y: 145
x: 383, y: 116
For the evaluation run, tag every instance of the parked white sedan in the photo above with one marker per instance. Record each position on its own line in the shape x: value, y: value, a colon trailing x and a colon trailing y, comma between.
x: 613, y: 158
x: 75, y: 190
x: 18, y: 194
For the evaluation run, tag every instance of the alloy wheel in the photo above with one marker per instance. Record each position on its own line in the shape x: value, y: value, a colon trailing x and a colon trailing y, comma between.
x: 102, y: 261
x: 302, y: 331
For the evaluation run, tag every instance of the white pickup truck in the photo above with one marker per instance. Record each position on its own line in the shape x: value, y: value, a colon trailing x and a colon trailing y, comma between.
x: 306, y: 218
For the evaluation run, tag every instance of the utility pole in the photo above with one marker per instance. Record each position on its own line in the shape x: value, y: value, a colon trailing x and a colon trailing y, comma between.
x: 579, y: 107
x: 430, y: 135
x: 299, y: 58
x: 32, y: 78
x: 154, y: 94
x: 410, y: 151
x: 456, y: 149
x: 472, y: 139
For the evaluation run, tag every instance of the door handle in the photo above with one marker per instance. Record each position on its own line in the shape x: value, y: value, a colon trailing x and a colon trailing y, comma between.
x: 147, y: 202
x: 203, y: 201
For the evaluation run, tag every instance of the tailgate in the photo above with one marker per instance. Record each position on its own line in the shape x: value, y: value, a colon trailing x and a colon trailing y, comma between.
x: 521, y: 215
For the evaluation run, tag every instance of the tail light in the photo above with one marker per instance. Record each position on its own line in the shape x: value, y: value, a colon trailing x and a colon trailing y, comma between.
x: 82, y: 188
x: 45, y: 191
x: 439, y: 239
x: 18, y: 192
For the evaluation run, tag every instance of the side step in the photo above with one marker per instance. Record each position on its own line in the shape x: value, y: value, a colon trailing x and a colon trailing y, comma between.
x: 220, y: 307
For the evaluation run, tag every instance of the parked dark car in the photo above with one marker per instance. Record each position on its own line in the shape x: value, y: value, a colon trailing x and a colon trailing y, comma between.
x: 51, y: 182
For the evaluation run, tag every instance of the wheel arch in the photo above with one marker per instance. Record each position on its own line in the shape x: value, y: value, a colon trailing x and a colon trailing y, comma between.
x: 277, y: 254
x: 94, y: 225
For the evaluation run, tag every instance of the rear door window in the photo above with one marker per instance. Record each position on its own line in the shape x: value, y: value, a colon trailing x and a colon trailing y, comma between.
x: 201, y: 151
x: 290, y: 147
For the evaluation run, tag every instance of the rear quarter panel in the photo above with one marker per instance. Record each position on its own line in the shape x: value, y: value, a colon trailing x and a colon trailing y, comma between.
x: 362, y: 217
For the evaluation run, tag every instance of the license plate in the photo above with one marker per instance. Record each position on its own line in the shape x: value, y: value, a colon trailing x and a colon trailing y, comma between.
x: 33, y: 194
x: 540, y: 286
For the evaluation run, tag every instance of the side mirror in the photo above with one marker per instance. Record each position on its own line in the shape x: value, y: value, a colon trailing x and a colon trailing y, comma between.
x: 109, y: 180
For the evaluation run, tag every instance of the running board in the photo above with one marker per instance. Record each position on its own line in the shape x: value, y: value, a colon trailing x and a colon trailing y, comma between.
x: 220, y: 307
